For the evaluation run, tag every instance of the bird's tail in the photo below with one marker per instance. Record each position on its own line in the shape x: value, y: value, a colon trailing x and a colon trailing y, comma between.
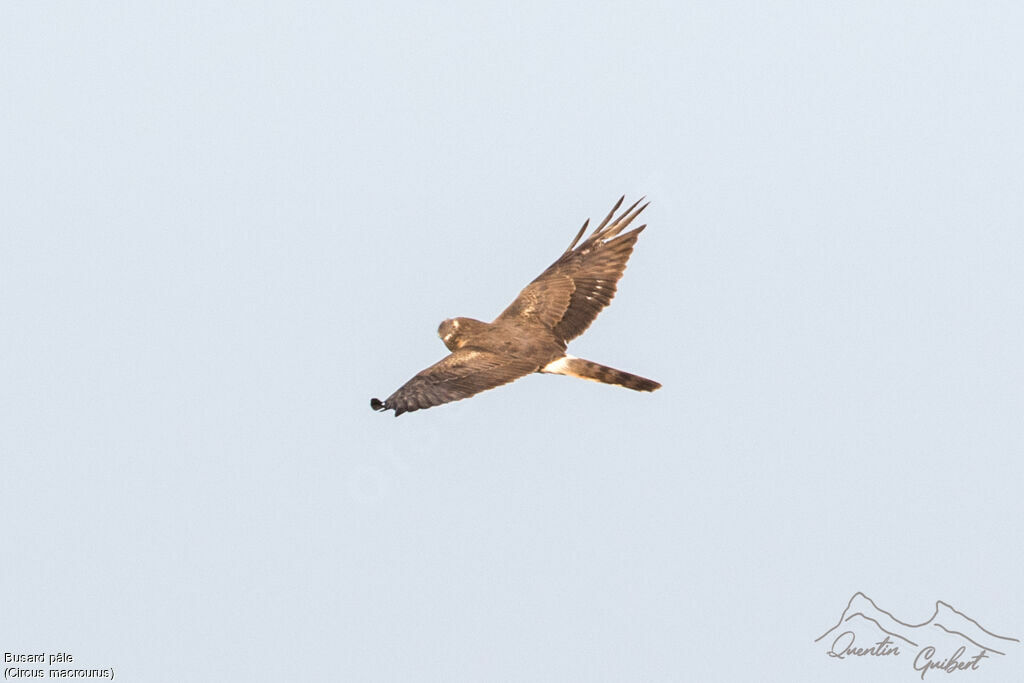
x: 585, y: 369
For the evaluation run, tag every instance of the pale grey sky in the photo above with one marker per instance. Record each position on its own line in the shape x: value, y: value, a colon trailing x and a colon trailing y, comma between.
x: 226, y: 227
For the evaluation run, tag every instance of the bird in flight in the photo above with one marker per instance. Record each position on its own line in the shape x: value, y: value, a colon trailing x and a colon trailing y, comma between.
x: 532, y: 333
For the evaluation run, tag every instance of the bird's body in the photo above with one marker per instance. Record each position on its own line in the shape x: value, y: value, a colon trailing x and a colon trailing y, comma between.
x: 532, y: 334
x: 516, y: 337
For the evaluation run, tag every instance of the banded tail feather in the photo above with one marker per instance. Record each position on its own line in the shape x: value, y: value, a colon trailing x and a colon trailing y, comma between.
x: 585, y: 369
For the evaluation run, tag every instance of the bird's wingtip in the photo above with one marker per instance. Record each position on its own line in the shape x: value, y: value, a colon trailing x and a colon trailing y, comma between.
x: 376, y: 404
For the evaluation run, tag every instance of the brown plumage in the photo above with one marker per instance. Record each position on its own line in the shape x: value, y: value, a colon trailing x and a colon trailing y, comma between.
x: 531, y: 334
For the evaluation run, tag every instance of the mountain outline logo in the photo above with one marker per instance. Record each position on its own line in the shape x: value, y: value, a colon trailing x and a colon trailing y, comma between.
x: 948, y: 641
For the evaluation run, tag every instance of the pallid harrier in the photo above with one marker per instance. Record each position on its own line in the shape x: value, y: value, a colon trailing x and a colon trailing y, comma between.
x: 531, y: 334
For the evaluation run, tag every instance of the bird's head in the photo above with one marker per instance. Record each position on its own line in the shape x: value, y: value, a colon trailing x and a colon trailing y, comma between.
x: 454, y: 331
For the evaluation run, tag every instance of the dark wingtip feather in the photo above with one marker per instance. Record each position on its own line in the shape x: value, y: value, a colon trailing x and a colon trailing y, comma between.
x: 610, y: 214
x: 579, y: 235
x: 623, y: 221
x: 377, y: 404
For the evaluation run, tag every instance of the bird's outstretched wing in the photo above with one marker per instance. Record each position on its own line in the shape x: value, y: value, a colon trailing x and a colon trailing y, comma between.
x: 575, y: 288
x: 461, y: 374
